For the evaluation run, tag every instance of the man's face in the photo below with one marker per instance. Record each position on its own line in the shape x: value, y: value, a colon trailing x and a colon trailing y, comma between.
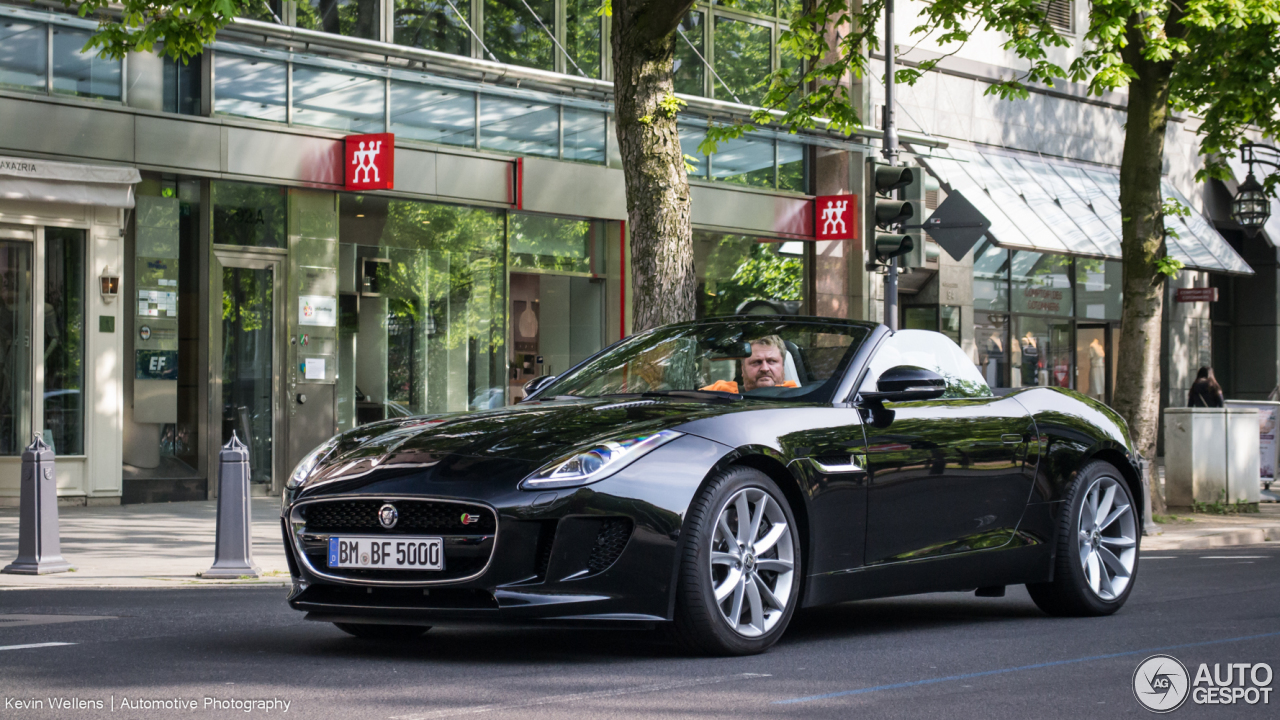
x: 763, y: 369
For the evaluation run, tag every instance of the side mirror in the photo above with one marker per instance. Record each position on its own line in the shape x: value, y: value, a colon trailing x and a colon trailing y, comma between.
x: 906, y: 383
x: 537, y: 384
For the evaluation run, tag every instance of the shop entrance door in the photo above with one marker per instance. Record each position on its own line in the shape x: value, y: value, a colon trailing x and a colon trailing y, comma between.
x: 557, y: 321
x: 247, y: 360
x: 1093, y: 361
x: 15, y: 340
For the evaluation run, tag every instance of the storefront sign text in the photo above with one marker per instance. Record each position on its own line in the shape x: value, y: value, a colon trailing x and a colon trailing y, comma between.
x: 1044, y: 300
x: 1196, y: 294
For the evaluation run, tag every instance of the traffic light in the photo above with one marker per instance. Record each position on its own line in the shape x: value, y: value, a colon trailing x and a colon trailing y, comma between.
x: 887, y: 211
x: 913, y: 194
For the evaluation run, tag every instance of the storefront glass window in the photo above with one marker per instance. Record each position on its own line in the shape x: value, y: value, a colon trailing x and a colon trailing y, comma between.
x: 82, y: 74
x: 1041, y: 283
x: 695, y: 162
x: 761, y: 7
x: 251, y: 88
x: 1098, y: 289
x: 584, y: 135
x: 740, y: 273
x: 582, y: 23
x: 23, y: 53
x: 182, y: 84
x: 433, y: 25
x: 1040, y: 352
x: 991, y: 340
x: 356, y: 18
x: 433, y: 114
x: 422, y: 298
x: 15, y: 349
x: 519, y: 126
x: 249, y: 214
x: 322, y: 98
x: 990, y: 278
x: 791, y: 174
x: 514, y: 36
x: 64, y: 340
x: 745, y: 161
x: 742, y: 58
x: 689, y: 68
x: 552, y: 243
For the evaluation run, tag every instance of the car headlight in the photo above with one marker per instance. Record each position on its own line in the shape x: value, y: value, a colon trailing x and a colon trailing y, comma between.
x: 583, y: 467
x: 303, y: 469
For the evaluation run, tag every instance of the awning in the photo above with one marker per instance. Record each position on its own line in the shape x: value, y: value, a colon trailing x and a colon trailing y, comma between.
x: 1057, y: 206
x: 49, y: 181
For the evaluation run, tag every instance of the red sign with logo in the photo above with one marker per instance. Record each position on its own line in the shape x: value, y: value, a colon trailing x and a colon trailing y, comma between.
x: 370, y: 162
x: 1196, y: 294
x: 835, y: 217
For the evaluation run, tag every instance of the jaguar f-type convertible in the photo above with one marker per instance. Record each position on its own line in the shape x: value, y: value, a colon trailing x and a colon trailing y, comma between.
x: 711, y: 478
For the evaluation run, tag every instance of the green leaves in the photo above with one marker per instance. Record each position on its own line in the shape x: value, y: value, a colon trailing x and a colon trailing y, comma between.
x: 1168, y: 266
x: 181, y: 27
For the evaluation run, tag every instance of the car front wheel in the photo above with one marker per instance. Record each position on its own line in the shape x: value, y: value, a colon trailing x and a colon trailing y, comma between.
x: 739, y: 580
x: 1097, y: 553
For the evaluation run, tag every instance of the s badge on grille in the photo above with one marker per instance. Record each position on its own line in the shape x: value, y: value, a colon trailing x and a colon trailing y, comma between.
x: 388, y: 515
x: 468, y: 518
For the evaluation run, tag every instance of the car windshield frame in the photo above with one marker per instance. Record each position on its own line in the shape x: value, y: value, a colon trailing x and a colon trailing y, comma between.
x: 568, y: 385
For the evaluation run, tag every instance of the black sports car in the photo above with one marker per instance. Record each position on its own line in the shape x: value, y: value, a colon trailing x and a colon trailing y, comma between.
x: 711, y: 477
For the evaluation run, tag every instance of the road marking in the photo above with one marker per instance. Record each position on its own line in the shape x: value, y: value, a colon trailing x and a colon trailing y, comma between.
x: 8, y: 621
x: 1234, y: 557
x: 574, y: 697
x: 1037, y: 666
x: 33, y: 645
x: 1158, y: 557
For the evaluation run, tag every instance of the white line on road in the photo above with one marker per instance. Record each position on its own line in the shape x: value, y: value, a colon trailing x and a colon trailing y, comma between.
x: 549, y: 699
x: 1234, y: 557
x: 1158, y: 557
x: 33, y: 645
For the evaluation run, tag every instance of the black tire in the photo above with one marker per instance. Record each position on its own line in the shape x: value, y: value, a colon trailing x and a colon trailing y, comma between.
x: 383, y: 632
x: 1069, y: 594
x: 701, y: 626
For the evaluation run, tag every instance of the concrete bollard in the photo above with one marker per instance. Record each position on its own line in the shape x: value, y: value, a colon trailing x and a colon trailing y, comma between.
x: 39, y: 550
x: 233, y: 554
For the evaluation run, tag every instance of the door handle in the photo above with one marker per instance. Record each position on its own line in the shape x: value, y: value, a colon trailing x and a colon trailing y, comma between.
x: 1011, y: 439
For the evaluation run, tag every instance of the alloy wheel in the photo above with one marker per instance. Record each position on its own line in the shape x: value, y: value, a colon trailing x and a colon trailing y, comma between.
x: 1107, y: 538
x: 752, y: 562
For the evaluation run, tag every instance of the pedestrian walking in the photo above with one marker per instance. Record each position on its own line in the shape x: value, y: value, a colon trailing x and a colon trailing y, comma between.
x: 1205, y: 391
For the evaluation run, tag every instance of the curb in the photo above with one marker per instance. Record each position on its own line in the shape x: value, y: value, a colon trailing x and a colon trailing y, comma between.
x: 1223, y: 538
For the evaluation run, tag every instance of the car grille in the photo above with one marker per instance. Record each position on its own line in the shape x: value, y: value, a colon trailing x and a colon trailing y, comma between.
x: 416, y: 517
x: 612, y: 538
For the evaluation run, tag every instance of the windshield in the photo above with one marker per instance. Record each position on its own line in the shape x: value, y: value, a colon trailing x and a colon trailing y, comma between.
x: 777, y: 359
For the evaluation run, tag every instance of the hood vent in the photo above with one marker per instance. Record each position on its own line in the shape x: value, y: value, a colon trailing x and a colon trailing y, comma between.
x: 622, y: 405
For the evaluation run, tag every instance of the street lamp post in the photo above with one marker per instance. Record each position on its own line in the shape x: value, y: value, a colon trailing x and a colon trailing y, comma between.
x: 890, y: 153
x: 1251, y: 207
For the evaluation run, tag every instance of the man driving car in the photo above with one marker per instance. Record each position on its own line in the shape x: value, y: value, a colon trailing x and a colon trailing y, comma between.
x: 764, y: 368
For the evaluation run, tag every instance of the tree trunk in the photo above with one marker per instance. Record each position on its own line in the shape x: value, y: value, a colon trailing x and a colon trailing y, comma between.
x: 1137, y: 396
x: 662, y: 276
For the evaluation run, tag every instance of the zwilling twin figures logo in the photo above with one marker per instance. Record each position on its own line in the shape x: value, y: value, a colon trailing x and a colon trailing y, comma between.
x: 1162, y: 684
x: 370, y: 162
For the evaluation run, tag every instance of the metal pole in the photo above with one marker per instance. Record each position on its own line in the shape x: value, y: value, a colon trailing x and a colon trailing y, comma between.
x: 890, y: 153
x: 233, y: 550
x: 39, y: 548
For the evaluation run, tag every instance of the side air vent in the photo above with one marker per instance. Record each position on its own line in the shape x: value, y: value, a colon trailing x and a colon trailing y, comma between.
x: 610, y: 541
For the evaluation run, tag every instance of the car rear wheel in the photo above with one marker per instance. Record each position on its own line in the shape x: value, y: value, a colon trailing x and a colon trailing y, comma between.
x: 383, y: 632
x: 1097, y: 553
x: 739, y: 580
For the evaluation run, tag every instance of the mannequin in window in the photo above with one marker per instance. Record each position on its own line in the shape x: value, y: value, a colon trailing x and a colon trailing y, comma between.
x: 995, y: 354
x: 1030, y: 360
x: 1097, y: 369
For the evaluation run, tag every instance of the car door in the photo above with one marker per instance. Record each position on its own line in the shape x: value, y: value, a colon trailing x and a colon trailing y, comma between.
x: 947, y: 475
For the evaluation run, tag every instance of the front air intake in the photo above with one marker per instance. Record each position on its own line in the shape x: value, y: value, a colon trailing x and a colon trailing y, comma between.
x: 610, y: 541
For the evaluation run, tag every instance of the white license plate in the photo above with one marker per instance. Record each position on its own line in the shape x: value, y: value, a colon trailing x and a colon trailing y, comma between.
x: 382, y: 552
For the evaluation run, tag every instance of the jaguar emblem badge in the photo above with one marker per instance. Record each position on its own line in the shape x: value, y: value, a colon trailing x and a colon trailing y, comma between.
x: 388, y: 515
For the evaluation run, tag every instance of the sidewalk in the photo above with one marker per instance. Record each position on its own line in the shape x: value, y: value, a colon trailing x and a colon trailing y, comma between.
x: 166, y: 545
x: 156, y: 545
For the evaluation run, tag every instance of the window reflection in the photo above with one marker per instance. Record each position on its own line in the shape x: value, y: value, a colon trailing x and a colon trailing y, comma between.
x: 991, y: 338
x: 742, y: 58
x: 519, y: 126
x: 355, y: 18
x: 1041, y: 283
x: 336, y: 100
x: 747, y: 160
x: 250, y: 88
x: 513, y: 35
x: 584, y: 135
x: 582, y: 25
x: 64, y: 338
x: 433, y: 25
x: 689, y: 69
x: 23, y: 53
x: 84, y: 75
x: 433, y: 114
x: 248, y: 214
x: 737, y: 273
x: 552, y: 243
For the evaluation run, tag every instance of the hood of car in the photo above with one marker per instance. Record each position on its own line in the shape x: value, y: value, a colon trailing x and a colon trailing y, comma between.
x: 533, y: 434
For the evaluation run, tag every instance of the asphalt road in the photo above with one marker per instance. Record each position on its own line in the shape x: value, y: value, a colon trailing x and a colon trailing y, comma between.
x: 938, y: 656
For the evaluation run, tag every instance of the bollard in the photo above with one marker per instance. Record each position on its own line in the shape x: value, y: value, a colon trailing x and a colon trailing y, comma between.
x: 39, y: 550
x: 233, y: 554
